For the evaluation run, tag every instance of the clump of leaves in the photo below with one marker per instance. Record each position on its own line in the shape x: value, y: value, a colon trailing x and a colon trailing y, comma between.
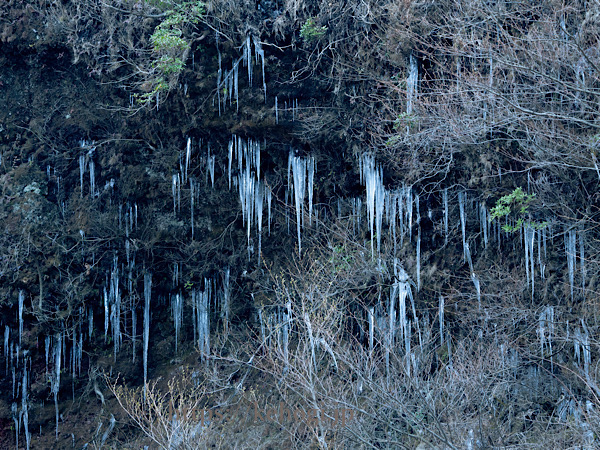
x: 311, y: 32
x: 341, y: 259
x: 404, y: 120
x: 516, y: 206
x: 169, y: 45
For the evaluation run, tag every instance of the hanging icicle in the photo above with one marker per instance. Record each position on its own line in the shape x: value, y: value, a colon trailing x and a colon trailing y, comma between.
x: 177, y: 313
x: 462, y: 199
x: 418, y: 268
x: 372, y: 177
x: 20, y: 316
x: 176, y: 190
x: 441, y: 318
x: 300, y: 179
x: 411, y: 83
x: 570, y: 248
x: 582, y: 262
x: 445, y: 200
x: 529, y: 236
x: 201, y: 300
x: 545, y: 330
x: 147, y: 295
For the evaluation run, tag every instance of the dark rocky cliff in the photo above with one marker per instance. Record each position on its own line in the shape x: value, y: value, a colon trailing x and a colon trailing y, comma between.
x: 318, y: 179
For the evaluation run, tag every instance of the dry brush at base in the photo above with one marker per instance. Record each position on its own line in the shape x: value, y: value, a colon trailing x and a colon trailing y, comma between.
x: 338, y: 330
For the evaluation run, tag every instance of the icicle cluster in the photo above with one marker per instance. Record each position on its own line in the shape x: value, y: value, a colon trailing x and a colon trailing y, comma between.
x: 301, y: 174
x: 252, y: 190
x: 546, y: 330
x: 371, y: 176
x: 228, y: 80
x: 87, y: 158
x: 411, y: 83
x: 275, y: 328
x: 200, y: 317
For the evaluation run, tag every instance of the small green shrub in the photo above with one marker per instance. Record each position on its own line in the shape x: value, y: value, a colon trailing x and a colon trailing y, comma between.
x: 169, y: 45
x: 404, y: 120
x: 311, y: 32
x: 515, y: 205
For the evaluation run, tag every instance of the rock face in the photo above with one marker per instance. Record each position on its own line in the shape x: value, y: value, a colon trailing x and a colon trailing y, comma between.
x: 306, y: 205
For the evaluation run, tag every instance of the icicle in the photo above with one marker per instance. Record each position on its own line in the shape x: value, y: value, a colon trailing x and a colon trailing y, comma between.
x: 92, y: 178
x: 236, y: 84
x: 287, y: 317
x: 6, y: 340
x: 484, y: 224
x: 258, y: 207
x: 301, y: 169
x: 269, y: 195
x: 15, y: 417
x: 391, y: 325
x: 546, y: 326
x: 114, y: 296
x: 445, y: 200
x: 441, y: 319
x: 419, y: 260
x: 570, y: 246
x: 226, y: 300
x: 219, y: 76
x: 467, y: 254
x: 411, y: 83
x: 582, y: 262
x: 259, y: 54
x: 24, y: 406
x: 202, y: 310
x: 133, y: 332
x: 21, y: 301
x: 248, y: 55
x: 530, y: 243
x: 55, y: 382
x: 310, y: 168
x: 106, y: 314
x: 529, y: 257
x: 192, y: 205
x: 380, y: 196
x: 81, y: 171
x: 176, y: 189
x: 372, y: 177
x: 254, y: 150
x: 409, y: 209
x: 188, y: 157
x: 462, y: 198
x: 230, y: 161
x: 147, y: 294
x: 477, y: 285
x: 276, y: 112
x: 371, y: 330
x: 177, y: 312
x: 210, y: 167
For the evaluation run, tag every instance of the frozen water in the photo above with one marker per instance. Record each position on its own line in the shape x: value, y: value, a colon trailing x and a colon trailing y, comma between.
x: 411, y: 83
x: 301, y: 178
x: 147, y: 295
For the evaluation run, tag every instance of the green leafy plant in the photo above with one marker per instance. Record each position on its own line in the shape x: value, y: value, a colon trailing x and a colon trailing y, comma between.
x: 311, y: 32
x: 169, y: 45
x: 404, y: 120
x: 341, y: 259
x: 515, y: 205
